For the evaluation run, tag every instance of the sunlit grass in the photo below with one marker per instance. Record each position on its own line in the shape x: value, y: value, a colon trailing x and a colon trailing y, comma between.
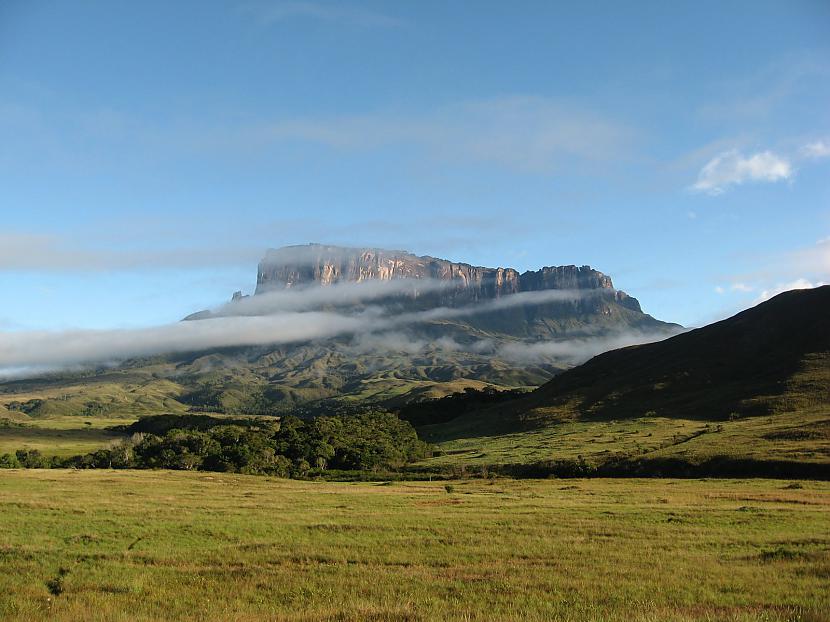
x: 127, y: 545
x: 802, y: 436
x: 56, y: 442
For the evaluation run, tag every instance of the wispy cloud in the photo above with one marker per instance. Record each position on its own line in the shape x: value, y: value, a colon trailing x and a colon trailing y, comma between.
x: 293, y: 317
x: 816, y: 150
x: 313, y: 297
x: 575, y: 351
x: 521, y: 132
x: 270, y: 13
x: 785, y: 287
x: 732, y: 168
x: 766, y: 92
x: 814, y: 259
x: 524, y: 133
x: 44, y: 252
x: 48, y: 349
x: 803, y: 268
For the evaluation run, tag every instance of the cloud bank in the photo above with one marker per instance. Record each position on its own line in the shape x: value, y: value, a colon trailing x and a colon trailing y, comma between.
x: 578, y: 350
x: 277, y: 318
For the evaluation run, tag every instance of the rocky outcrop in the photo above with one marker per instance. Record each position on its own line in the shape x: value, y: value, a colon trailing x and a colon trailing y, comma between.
x: 317, y: 264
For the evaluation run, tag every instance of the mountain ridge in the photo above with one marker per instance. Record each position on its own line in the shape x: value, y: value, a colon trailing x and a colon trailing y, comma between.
x: 320, y: 264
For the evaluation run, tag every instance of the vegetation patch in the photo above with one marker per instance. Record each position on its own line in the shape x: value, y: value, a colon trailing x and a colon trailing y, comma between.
x: 225, y: 546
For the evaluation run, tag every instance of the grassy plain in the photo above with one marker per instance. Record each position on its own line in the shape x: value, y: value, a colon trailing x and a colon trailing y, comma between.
x: 802, y: 436
x: 149, y: 545
x: 59, y: 436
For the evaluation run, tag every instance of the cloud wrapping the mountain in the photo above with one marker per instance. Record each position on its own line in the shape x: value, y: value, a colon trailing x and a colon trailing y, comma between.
x: 574, y: 351
x: 315, y: 297
x: 288, y: 317
x: 50, y: 349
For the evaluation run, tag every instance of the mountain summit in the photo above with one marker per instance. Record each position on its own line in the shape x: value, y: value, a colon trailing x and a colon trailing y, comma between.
x: 552, y: 302
x: 318, y: 264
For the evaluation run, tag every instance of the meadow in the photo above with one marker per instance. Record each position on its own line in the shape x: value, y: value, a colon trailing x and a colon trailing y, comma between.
x: 59, y: 436
x: 801, y: 437
x: 149, y: 545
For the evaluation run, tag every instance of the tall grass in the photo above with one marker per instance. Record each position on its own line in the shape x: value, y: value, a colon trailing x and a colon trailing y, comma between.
x: 153, y: 545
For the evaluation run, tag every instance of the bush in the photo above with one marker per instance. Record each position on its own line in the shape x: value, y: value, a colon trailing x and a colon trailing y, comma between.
x: 9, y: 461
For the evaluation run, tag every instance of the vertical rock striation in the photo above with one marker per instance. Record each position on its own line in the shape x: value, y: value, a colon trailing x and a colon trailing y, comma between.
x: 317, y: 264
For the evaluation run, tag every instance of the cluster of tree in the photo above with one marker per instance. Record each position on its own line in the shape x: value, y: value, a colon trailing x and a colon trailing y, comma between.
x: 235, y: 397
x: 449, y: 407
x: 291, y: 447
x: 27, y: 407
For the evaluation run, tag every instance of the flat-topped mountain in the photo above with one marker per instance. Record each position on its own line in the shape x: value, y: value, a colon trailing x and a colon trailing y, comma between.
x: 415, y: 327
x: 552, y: 302
x: 318, y: 264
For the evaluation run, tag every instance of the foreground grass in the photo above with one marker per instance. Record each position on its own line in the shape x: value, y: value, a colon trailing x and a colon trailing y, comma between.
x: 127, y: 545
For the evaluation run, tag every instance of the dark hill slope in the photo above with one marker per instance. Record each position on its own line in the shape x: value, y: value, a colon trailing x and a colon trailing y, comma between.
x: 736, y: 366
x: 756, y: 385
x: 748, y: 395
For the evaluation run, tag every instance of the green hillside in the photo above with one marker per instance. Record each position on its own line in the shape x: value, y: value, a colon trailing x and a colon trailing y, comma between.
x: 754, y: 387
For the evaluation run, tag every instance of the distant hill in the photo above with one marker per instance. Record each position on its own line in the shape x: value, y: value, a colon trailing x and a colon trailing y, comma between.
x: 756, y: 386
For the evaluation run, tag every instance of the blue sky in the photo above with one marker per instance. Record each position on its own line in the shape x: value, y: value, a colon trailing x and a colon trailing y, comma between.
x: 151, y: 151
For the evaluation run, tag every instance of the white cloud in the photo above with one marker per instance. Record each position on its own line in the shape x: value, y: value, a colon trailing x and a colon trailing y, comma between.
x: 731, y: 168
x: 348, y: 294
x: 48, y: 349
x: 576, y: 351
x: 785, y: 287
x: 816, y: 150
x: 289, y: 317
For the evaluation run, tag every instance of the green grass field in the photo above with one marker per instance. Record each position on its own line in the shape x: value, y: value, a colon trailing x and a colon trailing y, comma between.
x: 150, y: 545
x: 59, y: 436
x: 802, y: 436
